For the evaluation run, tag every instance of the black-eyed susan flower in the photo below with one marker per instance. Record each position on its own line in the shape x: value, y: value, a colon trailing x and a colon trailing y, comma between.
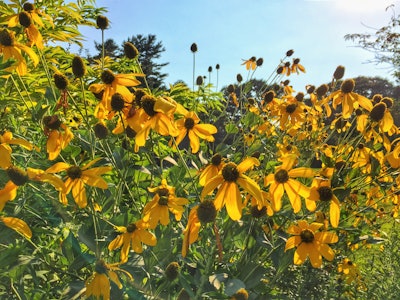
x: 32, y: 33
x: 191, y: 232
x: 250, y: 63
x: 58, y: 136
x: 7, y: 139
x: 349, y: 270
x: 321, y: 190
x: 114, y: 83
x: 291, y: 111
x: 228, y: 182
x: 296, y: 67
x: 348, y: 99
x: 77, y: 178
x: 98, y: 284
x: 283, y: 181
x: 18, y: 225
x: 212, y: 169
x: 34, y: 13
x: 157, y: 113
x: 189, y: 125
x: 10, y: 48
x: 132, y: 236
x: 240, y: 294
x: 163, y: 202
x: 310, y: 242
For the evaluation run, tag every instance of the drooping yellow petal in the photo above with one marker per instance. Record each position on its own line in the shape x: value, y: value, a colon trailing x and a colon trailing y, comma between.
x: 79, y: 193
x: 326, y: 252
x: 248, y: 163
x: 292, y: 242
x: 8, y: 193
x: 58, y: 167
x: 334, y: 212
x: 301, y: 172
x: 211, y: 185
x: 18, y: 225
x: 233, y: 201
x: 250, y: 186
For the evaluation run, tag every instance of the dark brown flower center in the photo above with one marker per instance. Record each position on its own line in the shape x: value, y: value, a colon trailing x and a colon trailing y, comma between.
x: 378, y: 111
x: 102, y: 22
x: 206, y: 212
x: 117, y: 102
x: 148, y: 105
x: 258, y: 213
x: 216, y: 159
x: 230, y: 172
x: 163, y: 193
x: 322, y: 90
x: 281, y: 176
x: 24, y: 19
x: 74, y: 172
x: 17, y: 175
x: 189, y: 123
x: 269, y: 96
x: 6, y: 39
x: 172, y: 271
x: 100, y: 131
x: 60, y: 81
x: 28, y: 7
x: 78, y: 67
x: 291, y: 108
x: 347, y: 86
x: 307, y: 236
x: 325, y: 193
x: 52, y: 122
x: 130, y: 50
x: 107, y: 77
x: 131, y: 227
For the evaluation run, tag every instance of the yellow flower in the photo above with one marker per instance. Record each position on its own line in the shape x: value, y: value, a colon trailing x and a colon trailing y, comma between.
x: 240, y: 294
x: 291, y: 111
x: 350, y: 271
x: 296, y: 66
x: 9, y: 48
x: 250, y: 63
x: 34, y: 13
x: 191, y: 232
x: 5, y: 150
x: 114, y: 83
x: 8, y: 193
x: 321, y: 190
x: 348, y: 99
x: 158, y: 115
x: 189, y: 125
x: 282, y: 181
x: 164, y: 200
x: 33, y: 34
x: 212, y: 169
x: 98, y: 284
x: 18, y: 225
x: 133, y: 236
x: 57, y: 140
x: 310, y: 243
x: 77, y: 178
x: 228, y: 193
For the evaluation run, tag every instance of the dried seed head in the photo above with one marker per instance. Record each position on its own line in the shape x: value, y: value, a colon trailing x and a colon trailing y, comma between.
x: 209, y: 69
x: 24, y: 19
x: 193, y: 47
x: 322, y: 90
x: 239, y: 78
x: 102, y: 22
x: 206, y: 212
x: 300, y: 96
x: 100, y: 131
x: 130, y: 50
x: 6, y: 38
x: 339, y: 72
x: 78, y: 67
x: 172, y: 271
x: 217, y: 66
x: 378, y: 112
x: 279, y: 70
x: 17, y: 176
x: 347, y: 86
x: 289, y: 52
x: 199, y: 80
x: 310, y: 89
x: 231, y: 88
x: 61, y: 81
x: 259, y: 62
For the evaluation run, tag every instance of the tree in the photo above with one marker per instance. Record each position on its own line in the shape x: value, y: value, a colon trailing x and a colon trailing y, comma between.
x: 111, y: 49
x: 149, y: 51
x: 384, y: 43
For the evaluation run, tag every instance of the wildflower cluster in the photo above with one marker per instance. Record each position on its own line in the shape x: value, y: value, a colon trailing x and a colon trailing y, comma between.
x: 187, y: 192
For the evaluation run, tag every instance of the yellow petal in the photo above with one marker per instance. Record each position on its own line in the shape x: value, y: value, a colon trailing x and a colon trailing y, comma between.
x: 18, y: 225
x: 233, y: 201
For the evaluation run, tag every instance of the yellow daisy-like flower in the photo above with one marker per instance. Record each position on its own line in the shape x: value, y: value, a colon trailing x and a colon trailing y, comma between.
x: 9, y: 48
x: 34, y: 13
x: 321, y: 190
x: 57, y: 140
x: 157, y: 114
x: 250, y: 63
x: 5, y: 150
x: 114, y: 83
x: 33, y: 34
x: 348, y: 99
x: 98, y: 284
x: 349, y: 270
x: 297, y: 67
x: 228, y: 181
x: 191, y: 232
x: 132, y: 236
x: 310, y: 243
x: 212, y: 169
x: 164, y: 200
x: 18, y: 225
x: 282, y: 181
x: 77, y: 178
x: 293, y: 112
x: 189, y: 125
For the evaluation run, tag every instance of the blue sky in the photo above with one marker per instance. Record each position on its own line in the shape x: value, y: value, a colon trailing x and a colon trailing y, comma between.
x: 227, y: 31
